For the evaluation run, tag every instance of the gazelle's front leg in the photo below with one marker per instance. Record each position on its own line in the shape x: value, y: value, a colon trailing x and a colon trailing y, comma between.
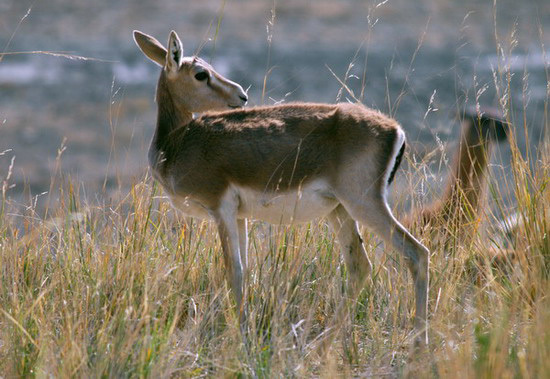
x: 226, y: 220
x: 243, y: 242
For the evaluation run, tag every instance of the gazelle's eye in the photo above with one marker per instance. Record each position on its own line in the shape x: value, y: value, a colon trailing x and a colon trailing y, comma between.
x: 201, y: 76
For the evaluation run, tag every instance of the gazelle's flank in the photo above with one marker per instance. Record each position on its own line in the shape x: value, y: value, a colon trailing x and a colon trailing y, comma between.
x: 282, y: 164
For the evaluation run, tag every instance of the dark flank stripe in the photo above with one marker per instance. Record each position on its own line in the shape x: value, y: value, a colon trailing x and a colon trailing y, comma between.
x: 397, y: 163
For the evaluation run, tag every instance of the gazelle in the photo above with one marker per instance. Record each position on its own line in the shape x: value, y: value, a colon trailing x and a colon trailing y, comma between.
x: 465, y: 189
x: 282, y: 164
x: 464, y: 195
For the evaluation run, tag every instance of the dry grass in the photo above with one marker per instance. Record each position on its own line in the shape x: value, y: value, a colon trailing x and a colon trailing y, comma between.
x: 130, y: 289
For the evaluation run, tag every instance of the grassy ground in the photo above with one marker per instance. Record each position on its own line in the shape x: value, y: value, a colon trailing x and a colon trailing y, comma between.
x: 130, y: 289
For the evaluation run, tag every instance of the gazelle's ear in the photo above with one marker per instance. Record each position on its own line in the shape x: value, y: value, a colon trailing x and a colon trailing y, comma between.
x: 175, y: 53
x: 150, y: 47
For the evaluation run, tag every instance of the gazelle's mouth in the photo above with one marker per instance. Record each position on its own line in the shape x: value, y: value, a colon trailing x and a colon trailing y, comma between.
x: 234, y: 106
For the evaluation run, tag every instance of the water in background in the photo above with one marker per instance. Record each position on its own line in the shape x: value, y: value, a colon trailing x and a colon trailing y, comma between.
x: 422, y: 61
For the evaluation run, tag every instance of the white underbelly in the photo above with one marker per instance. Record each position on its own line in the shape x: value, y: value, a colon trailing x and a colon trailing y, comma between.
x: 313, y: 200
x: 309, y: 202
x: 190, y: 207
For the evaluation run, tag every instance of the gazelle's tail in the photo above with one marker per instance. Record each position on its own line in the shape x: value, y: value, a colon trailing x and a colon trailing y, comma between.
x: 397, y: 163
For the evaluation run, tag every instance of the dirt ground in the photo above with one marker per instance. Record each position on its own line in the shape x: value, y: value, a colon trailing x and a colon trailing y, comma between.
x: 421, y: 61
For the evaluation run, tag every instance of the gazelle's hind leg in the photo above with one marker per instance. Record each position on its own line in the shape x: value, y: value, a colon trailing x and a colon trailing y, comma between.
x: 373, y: 211
x: 351, y: 245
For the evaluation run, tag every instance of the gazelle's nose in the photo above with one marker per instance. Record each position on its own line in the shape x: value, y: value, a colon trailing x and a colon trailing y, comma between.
x: 239, y: 93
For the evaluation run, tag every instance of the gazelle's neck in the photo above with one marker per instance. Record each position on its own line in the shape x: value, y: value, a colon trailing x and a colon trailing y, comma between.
x: 469, y: 170
x: 169, y: 118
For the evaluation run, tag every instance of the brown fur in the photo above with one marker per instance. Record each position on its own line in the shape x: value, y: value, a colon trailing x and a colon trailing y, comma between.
x: 269, y: 148
x: 465, y: 189
x: 458, y: 211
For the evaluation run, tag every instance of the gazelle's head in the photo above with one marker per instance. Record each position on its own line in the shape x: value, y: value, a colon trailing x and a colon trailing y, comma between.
x: 487, y: 124
x: 193, y: 84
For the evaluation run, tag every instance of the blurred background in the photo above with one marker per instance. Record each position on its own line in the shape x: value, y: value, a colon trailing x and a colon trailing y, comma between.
x: 422, y: 61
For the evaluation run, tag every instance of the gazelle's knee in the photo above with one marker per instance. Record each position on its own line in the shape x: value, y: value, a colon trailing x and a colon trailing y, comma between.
x: 417, y: 256
x: 359, y: 273
x: 422, y: 254
x: 357, y: 260
x: 420, y: 257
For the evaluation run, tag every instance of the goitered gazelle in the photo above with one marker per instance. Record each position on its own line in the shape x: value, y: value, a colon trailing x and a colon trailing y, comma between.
x: 281, y: 164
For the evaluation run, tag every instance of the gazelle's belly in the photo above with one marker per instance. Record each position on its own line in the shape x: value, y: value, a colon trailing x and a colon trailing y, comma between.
x: 311, y: 201
x: 189, y: 206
